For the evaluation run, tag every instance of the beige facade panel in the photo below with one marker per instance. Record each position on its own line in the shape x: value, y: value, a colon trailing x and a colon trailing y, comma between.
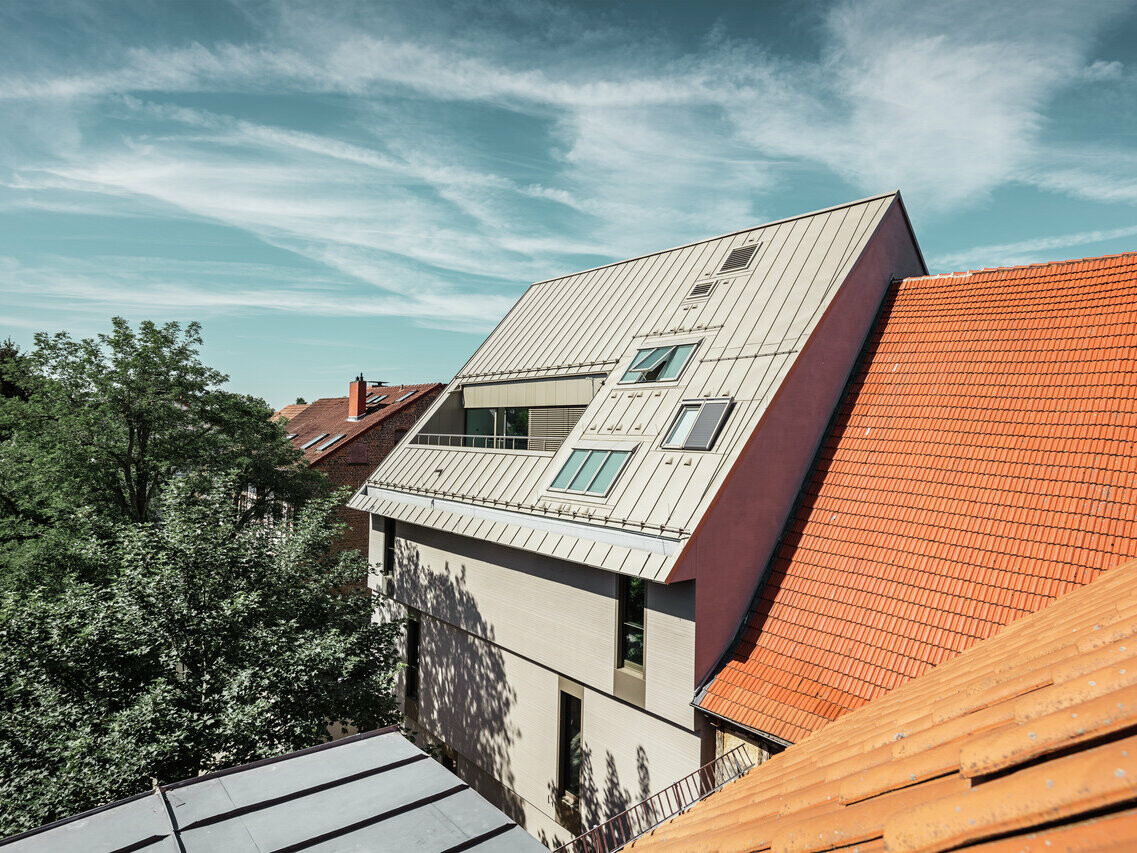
x: 567, y: 391
x: 747, y: 331
x: 669, y: 651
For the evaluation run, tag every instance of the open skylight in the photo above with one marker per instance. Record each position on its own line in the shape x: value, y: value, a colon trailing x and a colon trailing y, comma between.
x: 658, y: 364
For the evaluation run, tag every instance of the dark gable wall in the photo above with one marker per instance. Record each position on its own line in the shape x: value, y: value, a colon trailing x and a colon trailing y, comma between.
x: 733, y: 544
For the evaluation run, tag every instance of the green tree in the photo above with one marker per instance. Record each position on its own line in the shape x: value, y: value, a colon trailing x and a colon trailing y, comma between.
x: 108, y: 422
x: 214, y: 643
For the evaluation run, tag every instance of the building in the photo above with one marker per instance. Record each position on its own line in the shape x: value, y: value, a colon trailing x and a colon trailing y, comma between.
x: 348, y: 437
x: 579, y: 523
x: 980, y: 465
x: 1025, y: 742
x: 373, y: 791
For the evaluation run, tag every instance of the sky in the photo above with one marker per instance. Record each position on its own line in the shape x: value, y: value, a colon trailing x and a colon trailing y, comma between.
x: 334, y: 188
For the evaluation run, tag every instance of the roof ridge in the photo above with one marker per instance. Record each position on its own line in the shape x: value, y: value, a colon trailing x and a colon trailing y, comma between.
x: 1039, y: 265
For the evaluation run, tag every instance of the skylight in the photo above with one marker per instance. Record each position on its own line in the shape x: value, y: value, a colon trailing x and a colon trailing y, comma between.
x: 376, y: 398
x: 292, y: 435
x: 590, y: 472
x: 330, y: 442
x: 405, y: 396
x: 658, y: 364
x: 696, y: 425
x: 313, y: 441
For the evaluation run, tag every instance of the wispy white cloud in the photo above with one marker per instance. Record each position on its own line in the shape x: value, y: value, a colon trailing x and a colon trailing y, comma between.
x: 1025, y: 251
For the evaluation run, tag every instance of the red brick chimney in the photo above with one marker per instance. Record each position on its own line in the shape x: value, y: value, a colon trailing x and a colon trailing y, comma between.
x: 357, y: 399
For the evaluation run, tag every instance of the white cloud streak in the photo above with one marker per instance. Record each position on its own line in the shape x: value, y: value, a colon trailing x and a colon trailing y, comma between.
x: 1025, y: 251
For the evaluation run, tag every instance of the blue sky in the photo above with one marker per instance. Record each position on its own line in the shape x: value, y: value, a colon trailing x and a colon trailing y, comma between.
x: 341, y: 187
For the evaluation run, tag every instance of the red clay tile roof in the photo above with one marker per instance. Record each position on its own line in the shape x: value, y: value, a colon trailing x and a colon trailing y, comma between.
x: 329, y: 415
x: 1028, y: 742
x: 289, y: 412
x: 982, y: 462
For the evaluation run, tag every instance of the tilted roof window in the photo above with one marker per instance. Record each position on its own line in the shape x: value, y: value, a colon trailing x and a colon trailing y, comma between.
x: 314, y: 440
x: 590, y: 472
x: 405, y: 396
x: 697, y: 424
x: 658, y: 364
x: 376, y: 398
x: 330, y: 442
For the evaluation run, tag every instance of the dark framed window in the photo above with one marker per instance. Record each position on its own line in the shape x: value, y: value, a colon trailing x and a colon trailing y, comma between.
x: 658, y: 364
x: 569, y: 747
x: 631, y: 639
x: 411, y: 673
x: 697, y: 424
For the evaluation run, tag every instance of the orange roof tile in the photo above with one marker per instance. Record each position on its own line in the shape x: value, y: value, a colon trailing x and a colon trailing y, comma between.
x: 1027, y: 741
x: 981, y: 463
x: 328, y: 415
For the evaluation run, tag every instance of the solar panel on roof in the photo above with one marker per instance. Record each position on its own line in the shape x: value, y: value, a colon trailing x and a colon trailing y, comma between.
x: 313, y: 441
x: 330, y: 442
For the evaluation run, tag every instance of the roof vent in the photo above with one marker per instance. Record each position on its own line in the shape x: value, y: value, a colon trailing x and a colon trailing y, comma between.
x: 739, y: 259
x: 703, y: 288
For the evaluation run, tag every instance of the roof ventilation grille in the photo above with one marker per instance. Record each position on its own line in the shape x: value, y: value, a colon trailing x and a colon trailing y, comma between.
x: 703, y: 288
x: 739, y: 259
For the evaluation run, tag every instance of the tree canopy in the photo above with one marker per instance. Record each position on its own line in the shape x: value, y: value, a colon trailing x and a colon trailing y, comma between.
x: 106, y: 423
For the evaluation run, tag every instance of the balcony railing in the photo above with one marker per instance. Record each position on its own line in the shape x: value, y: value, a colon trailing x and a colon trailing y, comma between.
x: 641, y: 818
x: 488, y: 442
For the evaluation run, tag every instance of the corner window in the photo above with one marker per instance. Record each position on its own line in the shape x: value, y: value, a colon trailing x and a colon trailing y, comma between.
x: 631, y: 639
x: 658, y: 364
x: 590, y: 472
x: 696, y: 425
x: 569, y: 747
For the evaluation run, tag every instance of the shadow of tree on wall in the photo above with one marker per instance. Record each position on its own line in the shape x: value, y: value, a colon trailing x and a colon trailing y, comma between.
x: 465, y: 696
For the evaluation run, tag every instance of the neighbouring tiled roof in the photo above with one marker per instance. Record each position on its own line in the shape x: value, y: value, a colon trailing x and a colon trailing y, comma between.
x: 373, y: 791
x: 289, y: 412
x: 1027, y: 741
x: 981, y: 463
x: 329, y: 415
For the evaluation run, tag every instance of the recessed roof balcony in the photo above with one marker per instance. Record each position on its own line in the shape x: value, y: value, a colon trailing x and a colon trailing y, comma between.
x: 540, y: 444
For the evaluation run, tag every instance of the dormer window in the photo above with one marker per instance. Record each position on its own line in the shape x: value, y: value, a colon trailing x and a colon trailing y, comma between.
x: 659, y: 364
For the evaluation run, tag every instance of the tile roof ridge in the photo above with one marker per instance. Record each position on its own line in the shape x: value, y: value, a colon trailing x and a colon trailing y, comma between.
x: 1040, y: 265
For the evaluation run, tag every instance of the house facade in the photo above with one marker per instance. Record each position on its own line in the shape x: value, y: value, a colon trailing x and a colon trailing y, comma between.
x: 348, y: 437
x: 553, y: 525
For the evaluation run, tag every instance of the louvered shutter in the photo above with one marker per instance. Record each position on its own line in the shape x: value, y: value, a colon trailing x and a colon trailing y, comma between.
x: 739, y: 259
x: 706, y: 427
x: 553, y: 422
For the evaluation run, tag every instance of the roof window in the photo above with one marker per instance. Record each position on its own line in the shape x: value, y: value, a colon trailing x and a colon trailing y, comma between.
x: 590, y: 472
x: 291, y: 435
x: 658, y: 364
x: 739, y: 259
x: 697, y: 424
x: 405, y: 396
x: 314, y: 440
x: 376, y: 398
x: 330, y: 442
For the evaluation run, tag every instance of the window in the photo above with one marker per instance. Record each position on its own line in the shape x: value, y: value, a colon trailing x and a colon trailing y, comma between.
x: 659, y: 364
x: 590, y: 472
x: 569, y: 747
x: 376, y: 398
x: 292, y: 435
x: 631, y: 640
x: 313, y: 441
x: 406, y: 396
x: 410, y: 675
x: 330, y: 442
x: 697, y: 425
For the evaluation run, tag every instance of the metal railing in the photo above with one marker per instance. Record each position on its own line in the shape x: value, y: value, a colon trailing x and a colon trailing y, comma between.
x: 489, y: 442
x: 641, y: 818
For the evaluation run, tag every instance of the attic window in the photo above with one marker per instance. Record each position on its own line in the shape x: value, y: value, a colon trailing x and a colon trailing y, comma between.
x: 658, y: 364
x: 697, y: 424
x: 739, y: 259
x: 405, y: 396
x: 590, y: 472
x: 703, y: 288
x: 376, y: 398
x: 330, y: 442
x: 314, y: 440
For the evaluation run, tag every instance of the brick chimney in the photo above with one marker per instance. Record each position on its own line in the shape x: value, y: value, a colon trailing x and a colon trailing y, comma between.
x: 357, y: 399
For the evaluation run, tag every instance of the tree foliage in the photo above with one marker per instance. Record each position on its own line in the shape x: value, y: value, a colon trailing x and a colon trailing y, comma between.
x: 213, y: 643
x: 107, y: 423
